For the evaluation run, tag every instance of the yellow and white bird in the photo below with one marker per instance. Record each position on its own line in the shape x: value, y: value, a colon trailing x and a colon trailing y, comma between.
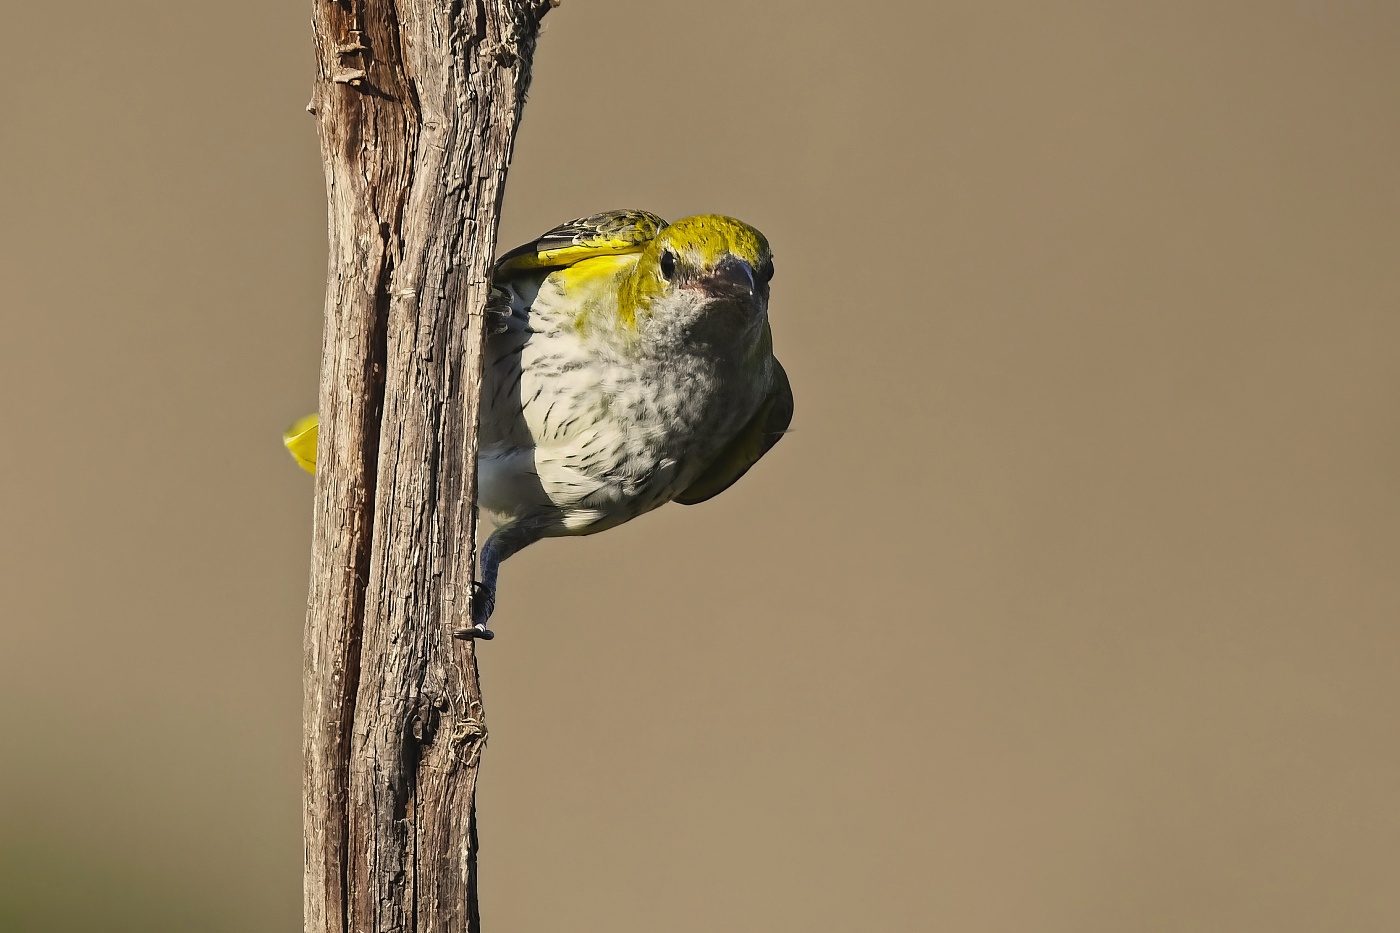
x: 634, y: 367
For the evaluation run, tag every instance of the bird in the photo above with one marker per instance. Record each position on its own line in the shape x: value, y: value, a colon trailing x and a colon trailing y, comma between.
x: 629, y: 363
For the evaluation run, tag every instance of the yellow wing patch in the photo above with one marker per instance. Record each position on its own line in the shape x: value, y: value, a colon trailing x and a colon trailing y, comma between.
x: 301, y: 439
x: 611, y: 233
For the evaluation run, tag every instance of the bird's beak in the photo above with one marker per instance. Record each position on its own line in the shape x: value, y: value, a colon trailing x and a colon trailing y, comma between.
x: 732, y: 278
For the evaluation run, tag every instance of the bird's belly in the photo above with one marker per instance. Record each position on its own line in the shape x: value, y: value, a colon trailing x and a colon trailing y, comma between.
x: 605, y: 469
x: 583, y: 439
x: 604, y: 478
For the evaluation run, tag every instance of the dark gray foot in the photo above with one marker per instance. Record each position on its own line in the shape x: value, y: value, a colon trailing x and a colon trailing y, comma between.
x: 483, y: 604
x: 498, y: 312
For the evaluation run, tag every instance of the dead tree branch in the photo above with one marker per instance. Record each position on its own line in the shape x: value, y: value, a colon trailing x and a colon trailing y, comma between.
x: 417, y: 104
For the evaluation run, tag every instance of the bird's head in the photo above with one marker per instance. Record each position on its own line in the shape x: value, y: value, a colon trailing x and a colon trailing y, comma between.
x: 707, y: 276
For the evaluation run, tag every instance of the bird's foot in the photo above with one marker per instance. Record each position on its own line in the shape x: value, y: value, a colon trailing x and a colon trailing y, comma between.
x: 483, y: 604
x: 498, y: 312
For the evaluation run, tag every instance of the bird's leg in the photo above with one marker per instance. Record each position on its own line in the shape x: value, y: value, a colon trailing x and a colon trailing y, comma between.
x: 484, y: 591
x: 505, y: 541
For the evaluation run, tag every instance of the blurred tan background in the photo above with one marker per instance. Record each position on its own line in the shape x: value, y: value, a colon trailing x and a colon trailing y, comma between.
x: 1070, y: 604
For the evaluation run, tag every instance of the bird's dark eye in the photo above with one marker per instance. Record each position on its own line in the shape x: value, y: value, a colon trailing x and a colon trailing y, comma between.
x: 668, y: 264
x: 765, y: 271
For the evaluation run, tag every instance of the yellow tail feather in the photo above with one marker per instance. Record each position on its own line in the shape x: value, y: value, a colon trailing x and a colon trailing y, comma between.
x: 300, y: 439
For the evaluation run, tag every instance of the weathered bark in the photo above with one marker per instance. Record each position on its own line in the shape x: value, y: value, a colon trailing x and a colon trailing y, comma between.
x: 418, y: 103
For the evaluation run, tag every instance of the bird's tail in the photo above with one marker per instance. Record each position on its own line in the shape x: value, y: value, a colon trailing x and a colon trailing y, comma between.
x: 300, y: 439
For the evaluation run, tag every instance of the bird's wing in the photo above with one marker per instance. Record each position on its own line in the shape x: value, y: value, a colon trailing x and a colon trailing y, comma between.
x: 611, y: 233
x: 754, y: 440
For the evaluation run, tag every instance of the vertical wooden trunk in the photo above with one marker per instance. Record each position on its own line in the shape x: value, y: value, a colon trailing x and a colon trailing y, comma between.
x: 417, y: 103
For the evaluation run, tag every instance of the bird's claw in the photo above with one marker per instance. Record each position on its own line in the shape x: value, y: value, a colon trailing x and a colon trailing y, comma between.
x: 483, y: 603
x: 498, y: 312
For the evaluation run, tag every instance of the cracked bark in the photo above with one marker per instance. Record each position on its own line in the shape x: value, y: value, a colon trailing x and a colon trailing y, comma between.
x: 417, y: 103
